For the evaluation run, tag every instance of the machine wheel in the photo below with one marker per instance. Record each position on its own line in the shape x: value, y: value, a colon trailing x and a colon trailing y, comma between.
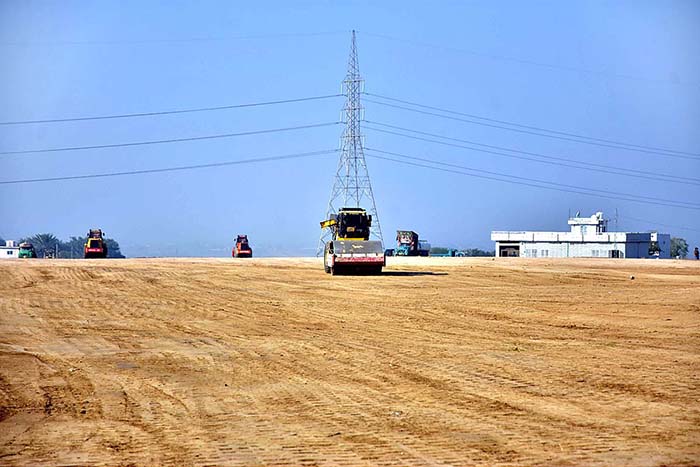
x: 326, y: 252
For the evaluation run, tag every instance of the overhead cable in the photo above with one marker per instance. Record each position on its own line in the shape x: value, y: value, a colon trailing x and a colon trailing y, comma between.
x: 555, y: 134
x: 170, y: 169
x: 551, y: 160
x: 525, y: 61
x: 679, y: 227
x: 535, y: 185
x: 169, y: 112
x: 174, y: 140
x: 279, y: 35
x: 530, y: 179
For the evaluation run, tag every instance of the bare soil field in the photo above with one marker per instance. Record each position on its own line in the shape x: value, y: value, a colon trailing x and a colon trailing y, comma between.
x: 272, y: 362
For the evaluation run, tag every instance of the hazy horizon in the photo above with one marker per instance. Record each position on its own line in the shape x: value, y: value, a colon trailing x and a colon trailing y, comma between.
x: 624, y: 71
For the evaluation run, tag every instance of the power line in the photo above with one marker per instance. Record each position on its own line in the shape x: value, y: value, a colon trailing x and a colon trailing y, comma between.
x: 174, y: 140
x: 531, y: 183
x: 526, y: 62
x: 524, y: 183
x: 569, y: 136
x: 530, y: 127
x: 172, y: 41
x: 661, y: 224
x: 169, y: 112
x: 529, y: 179
x: 533, y: 179
x: 171, y: 169
x: 551, y: 159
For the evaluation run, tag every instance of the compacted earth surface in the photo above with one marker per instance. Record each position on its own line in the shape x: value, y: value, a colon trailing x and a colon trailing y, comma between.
x: 438, y: 361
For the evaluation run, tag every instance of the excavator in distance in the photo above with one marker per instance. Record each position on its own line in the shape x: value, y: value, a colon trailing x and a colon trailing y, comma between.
x: 350, y: 249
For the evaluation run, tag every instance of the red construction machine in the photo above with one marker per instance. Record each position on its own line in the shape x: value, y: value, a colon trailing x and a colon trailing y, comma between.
x: 95, y: 245
x: 242, y: 248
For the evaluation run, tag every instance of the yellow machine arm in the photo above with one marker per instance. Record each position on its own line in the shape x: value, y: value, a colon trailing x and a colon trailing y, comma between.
x: 329, y: 223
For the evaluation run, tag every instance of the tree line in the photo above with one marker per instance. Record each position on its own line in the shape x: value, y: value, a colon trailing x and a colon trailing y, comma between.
x: 679, y: 247
x: 439, y: 250
x: 48, y: 244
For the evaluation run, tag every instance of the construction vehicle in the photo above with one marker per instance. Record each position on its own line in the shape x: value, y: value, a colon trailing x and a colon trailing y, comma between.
x: 26, y: 250
x: 350, y: 249
x: 242, y: 248
x: 95, y: 245
x: 406, y: 243
x: 423, y: 248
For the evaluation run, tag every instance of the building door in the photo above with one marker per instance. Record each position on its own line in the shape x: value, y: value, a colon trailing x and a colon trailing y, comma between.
x: 509, y: 250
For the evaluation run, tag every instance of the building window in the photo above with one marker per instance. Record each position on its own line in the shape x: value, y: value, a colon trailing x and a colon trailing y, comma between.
x: 544, y: 253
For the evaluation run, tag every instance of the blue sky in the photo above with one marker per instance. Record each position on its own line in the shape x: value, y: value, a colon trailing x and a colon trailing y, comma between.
x: 625, y: 71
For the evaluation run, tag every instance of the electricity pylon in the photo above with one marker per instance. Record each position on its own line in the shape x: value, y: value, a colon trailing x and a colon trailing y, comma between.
x: 352, y: 187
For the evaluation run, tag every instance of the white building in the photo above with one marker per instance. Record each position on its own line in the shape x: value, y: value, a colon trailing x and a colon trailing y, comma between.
x: 9, y: 251
x: 589, y: 237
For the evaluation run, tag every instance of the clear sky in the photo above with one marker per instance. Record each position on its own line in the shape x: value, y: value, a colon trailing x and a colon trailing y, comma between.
x: 625, y: 71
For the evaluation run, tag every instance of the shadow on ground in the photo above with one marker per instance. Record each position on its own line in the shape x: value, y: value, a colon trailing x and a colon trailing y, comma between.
x: 412, y: 273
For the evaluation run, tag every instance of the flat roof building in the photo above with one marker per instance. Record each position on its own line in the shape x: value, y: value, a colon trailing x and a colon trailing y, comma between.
x: 588, y: 238
x: 9, y: 250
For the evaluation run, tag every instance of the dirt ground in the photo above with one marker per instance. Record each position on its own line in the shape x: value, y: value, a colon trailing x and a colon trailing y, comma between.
x: 272, y: 362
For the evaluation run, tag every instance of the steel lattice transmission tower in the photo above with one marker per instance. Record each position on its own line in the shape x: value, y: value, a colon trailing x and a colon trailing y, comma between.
x: 352, y: 187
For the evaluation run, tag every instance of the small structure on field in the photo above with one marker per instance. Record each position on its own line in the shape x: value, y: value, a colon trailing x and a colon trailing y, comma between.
x: 9, y: 250
x: 588, y: 238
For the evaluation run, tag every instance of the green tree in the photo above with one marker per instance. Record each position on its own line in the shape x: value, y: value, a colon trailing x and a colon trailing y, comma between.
x: 438, y: 250
x: 113, y: 249
x: 478, y: 252
x: 679, y: 247
x: 73, y: 248
x: 43, y: 243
